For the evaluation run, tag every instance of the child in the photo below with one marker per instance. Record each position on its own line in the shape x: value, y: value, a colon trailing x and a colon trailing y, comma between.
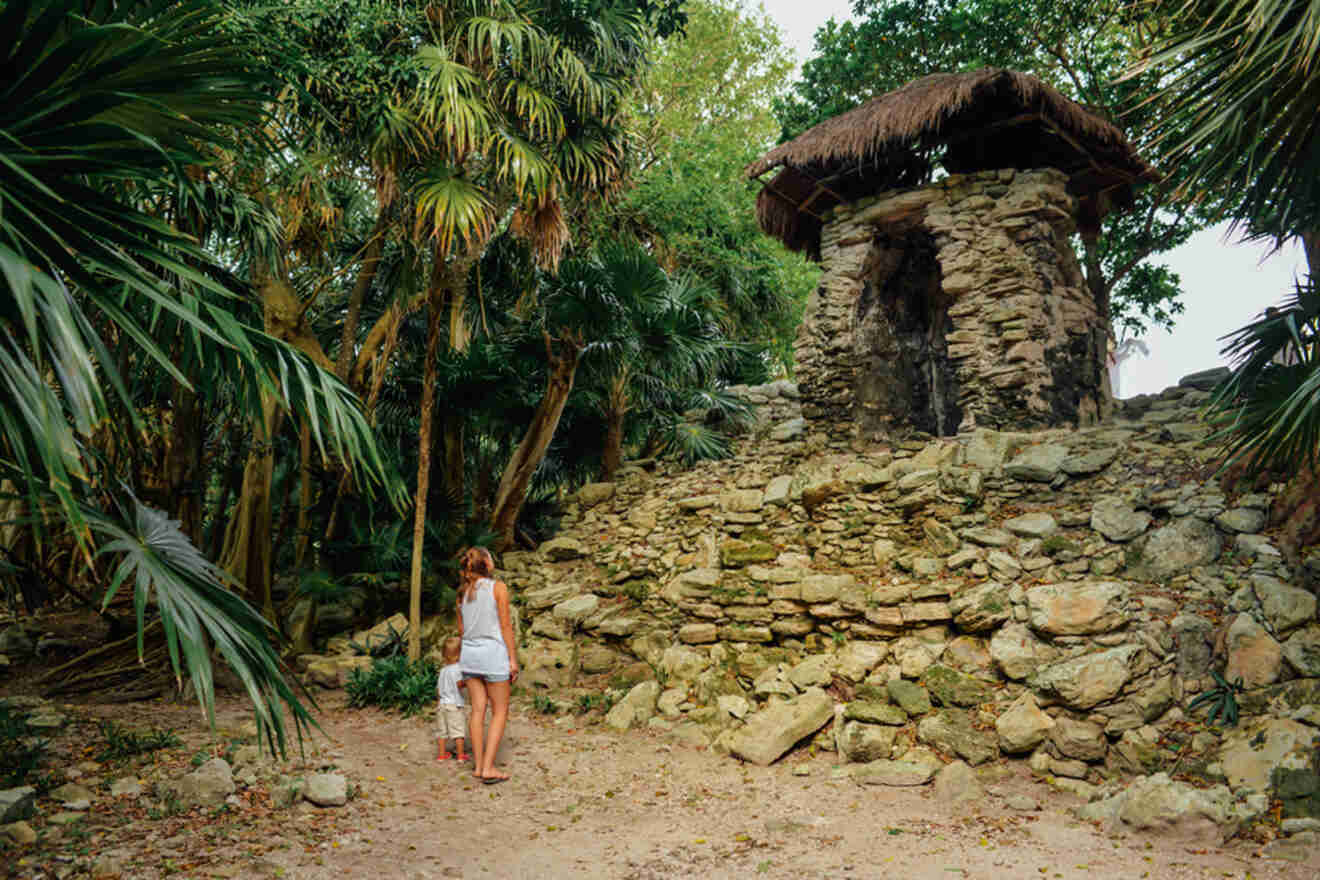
x: 451, y: 713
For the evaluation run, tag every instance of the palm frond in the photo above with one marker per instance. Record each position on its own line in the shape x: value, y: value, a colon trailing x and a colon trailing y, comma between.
x: 1268, y: 410
x: 451, y: 207
x: 198, y: 612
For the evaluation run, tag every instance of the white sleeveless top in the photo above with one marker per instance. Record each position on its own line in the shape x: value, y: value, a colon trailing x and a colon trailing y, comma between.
x: 484, y: 651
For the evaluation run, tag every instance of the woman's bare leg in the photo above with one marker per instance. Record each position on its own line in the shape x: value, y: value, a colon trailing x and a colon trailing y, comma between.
x: 477, y: 694
x: 499, y: 702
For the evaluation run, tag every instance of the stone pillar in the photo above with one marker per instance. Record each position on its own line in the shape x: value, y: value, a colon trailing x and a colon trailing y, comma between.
x: 1004, y: 335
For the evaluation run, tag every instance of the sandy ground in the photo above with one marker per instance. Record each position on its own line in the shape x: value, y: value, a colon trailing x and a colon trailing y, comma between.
x: 587, y: 802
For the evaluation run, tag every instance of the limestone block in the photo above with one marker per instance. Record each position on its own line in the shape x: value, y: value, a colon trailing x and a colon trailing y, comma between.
x: 981, y: 608
x: 636, y: 708
x: 861, y: 743
x: 1114, y: 518
x: 742, y: 500
x: 1079, y: 739
x: 1253, y: 654
x: 774, y: 730
x: 951, y: 731
x: 953, y: 688
x: 1077, y: 607
x: 825, y: 587
x: 1023, y: 726
x: 1285, y: 607
x: 562, y: 549
x: 1089, y: 680
x: 1173, y: 549
x: 1302, y: 651
x: 593, y: 494
x: 1032, y: 525
x: 1252, y: 754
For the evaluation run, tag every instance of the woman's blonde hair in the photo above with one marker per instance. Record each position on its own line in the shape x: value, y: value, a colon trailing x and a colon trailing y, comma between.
x: 476, y: 564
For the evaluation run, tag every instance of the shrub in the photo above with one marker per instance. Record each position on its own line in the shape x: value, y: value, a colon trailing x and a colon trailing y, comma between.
x: 393, y: 683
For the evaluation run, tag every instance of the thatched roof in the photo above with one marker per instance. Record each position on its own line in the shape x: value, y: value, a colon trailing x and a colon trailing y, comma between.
x: 989, y: 118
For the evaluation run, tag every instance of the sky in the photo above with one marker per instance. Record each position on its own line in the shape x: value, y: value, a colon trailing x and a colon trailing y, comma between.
x: 1225, y: 284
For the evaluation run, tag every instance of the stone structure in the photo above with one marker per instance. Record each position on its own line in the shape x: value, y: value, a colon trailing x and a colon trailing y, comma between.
x: 1058, y: 595
x: 952, y: 306
x: 955, y: 304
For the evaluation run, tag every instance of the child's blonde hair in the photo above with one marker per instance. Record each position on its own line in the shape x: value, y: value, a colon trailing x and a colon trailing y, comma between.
x: 452, y: 648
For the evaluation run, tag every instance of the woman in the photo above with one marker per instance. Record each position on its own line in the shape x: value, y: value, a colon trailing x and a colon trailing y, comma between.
x: 488, y: 658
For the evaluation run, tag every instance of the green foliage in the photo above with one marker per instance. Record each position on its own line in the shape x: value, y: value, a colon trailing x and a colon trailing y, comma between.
x: 394, y: 683
x: 199, y: 615
x: 321, y: 588
x: 638, y: 591
x: 1268, y: 410
x: 704, y: 112
x: 1239, y: 108
x: 21, y: 753
x: 591, y: 702
x: 115, y: 112
x: 1239, y: 111
x: 122, y: 743
x: 1221, y: 699
x: 391, y: 646
x: 544, y: 705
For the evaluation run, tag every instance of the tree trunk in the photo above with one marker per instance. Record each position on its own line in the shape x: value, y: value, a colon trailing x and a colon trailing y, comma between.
x: 304, y: 495
x: 430, y: 373
x: 454, y: 482
x: 247, y: 554
x: 1095, y: 276
x: 1311, y: 247
x: 290, y: 507
x: 615, y: 413
x: 233, y: 484
x: 388, y: 327
x: 612, y: 457
x: 512, y: 491
x: 183, y: 465
x: 248, y: 547
x: 366, y: 274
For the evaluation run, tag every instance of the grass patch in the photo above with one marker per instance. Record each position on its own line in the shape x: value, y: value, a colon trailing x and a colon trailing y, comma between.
x: 122, y: 743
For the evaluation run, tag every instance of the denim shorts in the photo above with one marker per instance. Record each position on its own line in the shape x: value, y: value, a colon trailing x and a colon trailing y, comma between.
x: 484, y: 676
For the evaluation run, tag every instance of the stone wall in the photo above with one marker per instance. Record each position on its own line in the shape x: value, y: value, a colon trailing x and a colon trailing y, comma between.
x: 950, y: 307
x: 1056, y: 595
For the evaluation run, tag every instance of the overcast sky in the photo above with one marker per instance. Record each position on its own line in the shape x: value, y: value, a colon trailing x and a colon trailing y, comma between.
x: 1225, y: 284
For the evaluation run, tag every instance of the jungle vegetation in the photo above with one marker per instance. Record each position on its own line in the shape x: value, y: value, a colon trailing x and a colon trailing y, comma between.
x: 300, y: 298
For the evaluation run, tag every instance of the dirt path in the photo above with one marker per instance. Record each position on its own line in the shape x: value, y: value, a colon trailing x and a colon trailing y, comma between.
x: 591, y: 803
x: 586, y: 802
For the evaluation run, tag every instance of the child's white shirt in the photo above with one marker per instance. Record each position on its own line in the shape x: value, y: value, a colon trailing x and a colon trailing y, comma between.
x: 446, y: 686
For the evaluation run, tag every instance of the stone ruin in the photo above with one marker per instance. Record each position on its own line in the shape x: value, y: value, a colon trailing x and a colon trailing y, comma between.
x: 947, y: 305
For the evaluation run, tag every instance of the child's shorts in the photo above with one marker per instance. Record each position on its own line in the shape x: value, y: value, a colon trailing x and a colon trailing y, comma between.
x: 451, y: 721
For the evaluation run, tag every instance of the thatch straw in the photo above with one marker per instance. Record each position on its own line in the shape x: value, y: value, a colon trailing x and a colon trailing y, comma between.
x: 876, y: 146
x: 929, y: 109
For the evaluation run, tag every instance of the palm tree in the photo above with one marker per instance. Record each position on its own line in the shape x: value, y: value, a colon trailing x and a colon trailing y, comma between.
x: 520, y: 106
x: 101, y: 103
x: 1242, y: 99
x: 1268, y: 408
x: 1245, y: 88
x: 660, y: 347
